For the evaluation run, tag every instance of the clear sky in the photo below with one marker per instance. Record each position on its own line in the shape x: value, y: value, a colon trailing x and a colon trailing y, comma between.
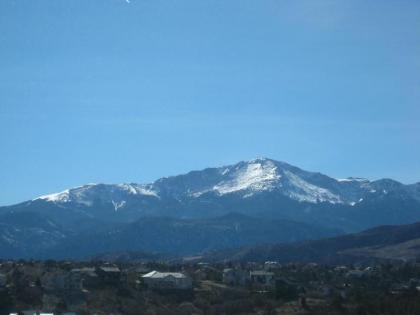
x: 129, y: 91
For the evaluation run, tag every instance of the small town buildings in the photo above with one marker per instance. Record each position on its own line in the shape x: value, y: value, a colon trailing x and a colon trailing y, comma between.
x: 167, y: 280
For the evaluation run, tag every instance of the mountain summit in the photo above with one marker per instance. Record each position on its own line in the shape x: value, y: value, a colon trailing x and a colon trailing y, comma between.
x: 244, y: 179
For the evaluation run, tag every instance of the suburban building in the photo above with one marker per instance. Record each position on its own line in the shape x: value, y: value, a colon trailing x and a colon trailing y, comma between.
x: 167, y: 280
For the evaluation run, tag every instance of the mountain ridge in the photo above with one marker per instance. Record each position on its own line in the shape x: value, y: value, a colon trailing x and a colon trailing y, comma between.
x: 389, y: 242
x: 19, y: 232
x: 262, y: 189
x: 260, y: 186
x: 255, y: 175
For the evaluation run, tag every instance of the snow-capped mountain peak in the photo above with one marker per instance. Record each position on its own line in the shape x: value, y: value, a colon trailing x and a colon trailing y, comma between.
x: 263, y: 174
x: 253, y: 175
x: 241, y: 180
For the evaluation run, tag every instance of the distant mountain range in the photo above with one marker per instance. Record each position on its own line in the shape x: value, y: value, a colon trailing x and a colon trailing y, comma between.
x: 251, y: 202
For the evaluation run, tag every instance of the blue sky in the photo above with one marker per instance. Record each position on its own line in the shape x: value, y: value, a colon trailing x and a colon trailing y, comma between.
x: 111, y: 91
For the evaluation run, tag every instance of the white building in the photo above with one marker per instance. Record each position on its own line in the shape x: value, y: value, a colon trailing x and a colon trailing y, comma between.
x: 167, y: 280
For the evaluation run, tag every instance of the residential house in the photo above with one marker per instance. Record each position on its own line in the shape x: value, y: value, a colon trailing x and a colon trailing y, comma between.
x: 167, y: 280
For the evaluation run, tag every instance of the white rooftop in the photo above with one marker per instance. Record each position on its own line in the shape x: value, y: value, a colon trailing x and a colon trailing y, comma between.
x: 160, y: 275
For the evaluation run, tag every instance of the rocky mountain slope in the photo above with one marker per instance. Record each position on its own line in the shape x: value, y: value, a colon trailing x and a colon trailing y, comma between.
x: 179, y: 237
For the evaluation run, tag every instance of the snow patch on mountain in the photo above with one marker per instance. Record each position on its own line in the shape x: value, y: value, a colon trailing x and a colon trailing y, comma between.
x: 353, y: 179
x: 118, y: 205
x: 57, y: 197
x: 301, y: 190
x: 263, y: 174
x: 254, y: 176
x: 86, y: 194
x: 147, y: 192
x: 135, y: 189
x: 129, y: 188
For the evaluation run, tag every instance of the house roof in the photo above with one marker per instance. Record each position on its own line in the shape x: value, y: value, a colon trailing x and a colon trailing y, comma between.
x: 85, y: 271
x: 261, y: 273
x: 110, y: 269
x: 161, y: 275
